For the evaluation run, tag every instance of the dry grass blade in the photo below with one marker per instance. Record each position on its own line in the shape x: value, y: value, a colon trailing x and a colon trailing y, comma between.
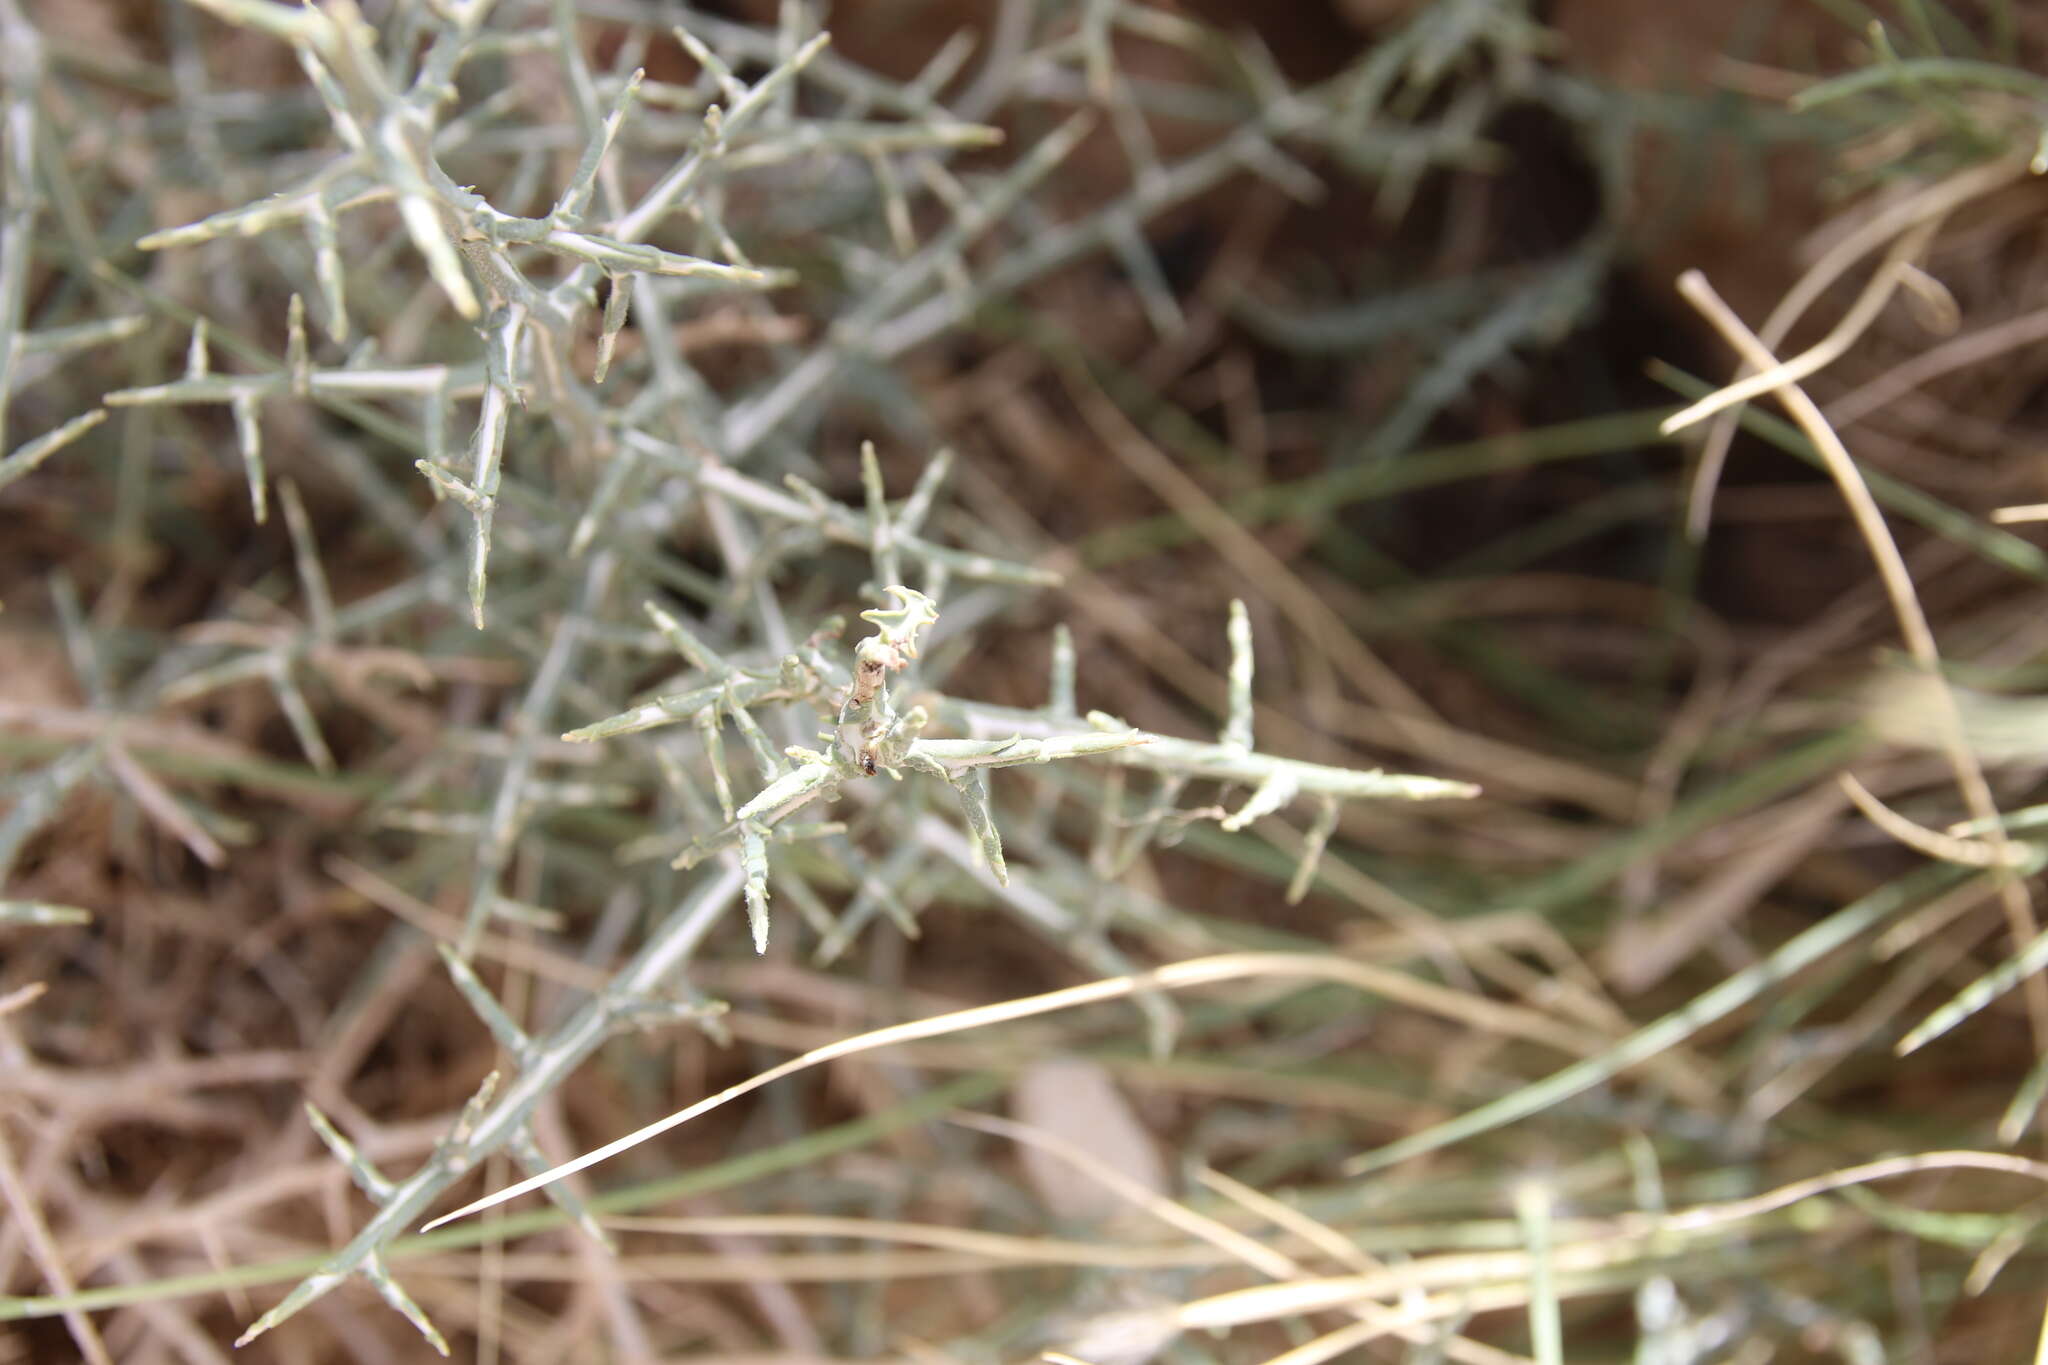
x: 1375, y: 1319
x: 1912, y: 619
x: 22, y: 996
x: 1825, y: 352
x: 1630, y: 1237
x: 1935, y: 844
x: 1873, y: 233
x: 1178, y: 976
x: 1310, y: 614
x: 162, y: 807
x: 1975, y: 349
x: 43, y: 1248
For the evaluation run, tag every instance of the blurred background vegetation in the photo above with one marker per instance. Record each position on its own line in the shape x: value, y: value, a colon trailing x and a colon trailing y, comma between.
x: 1362, y: 312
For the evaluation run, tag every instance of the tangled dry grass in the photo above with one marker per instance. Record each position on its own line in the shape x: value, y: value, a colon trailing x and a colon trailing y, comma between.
x: 1602, y: 1064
